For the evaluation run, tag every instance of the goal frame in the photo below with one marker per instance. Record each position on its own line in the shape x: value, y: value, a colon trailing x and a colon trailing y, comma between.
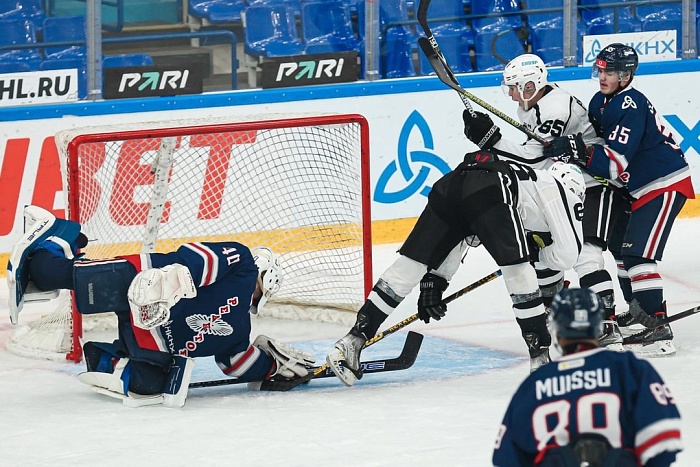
x: 255, y: 123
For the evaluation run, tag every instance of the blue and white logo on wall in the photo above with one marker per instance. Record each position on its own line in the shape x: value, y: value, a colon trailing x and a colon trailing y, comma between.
x: 411, y: 168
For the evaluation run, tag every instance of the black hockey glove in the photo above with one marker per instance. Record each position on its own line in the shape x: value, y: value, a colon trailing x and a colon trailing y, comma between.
x: 535, y: 242
x: 430, y: 300
x: 480, y: 129
x: 570, y: 149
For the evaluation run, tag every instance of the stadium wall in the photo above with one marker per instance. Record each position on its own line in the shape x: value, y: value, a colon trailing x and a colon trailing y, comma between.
x: 415, y: 133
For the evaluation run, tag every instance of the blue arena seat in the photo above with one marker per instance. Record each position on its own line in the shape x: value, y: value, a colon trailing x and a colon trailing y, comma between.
x: 662, y: 11
x: 29, y: 10
x: 19, y: 32
x: 216, y: 11
x: 397, y: 42
x: 270, y: 31
x: 125, y: 60
x: 15, y: 67
x: 64, y: 29
x: 496, y: 45
x: 663, y: 23
x: 496, y: 6
x: 327, y: 28
x: 455, y: 48
x: 602, y: 20
x: 542, y: 20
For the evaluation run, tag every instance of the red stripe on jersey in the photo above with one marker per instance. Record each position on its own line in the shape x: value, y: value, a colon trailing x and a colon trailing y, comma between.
x: 144, y: 337
x: 240, y: 361
x: 136, y: 261
x: 208, y: 268
x: 670, y: 434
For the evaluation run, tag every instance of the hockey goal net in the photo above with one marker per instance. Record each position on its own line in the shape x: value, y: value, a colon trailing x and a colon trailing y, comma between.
x: 297, y: 185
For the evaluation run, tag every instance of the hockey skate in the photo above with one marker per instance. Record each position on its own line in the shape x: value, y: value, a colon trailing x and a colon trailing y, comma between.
x: 539, y: 355
x: 345, y: 359
x: 652, y: 342
x: 611, y: 338
x: 627, y: 324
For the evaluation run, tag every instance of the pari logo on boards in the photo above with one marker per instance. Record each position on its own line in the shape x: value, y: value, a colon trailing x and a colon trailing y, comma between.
x: 408, y: 174
x: 310, y: 69
x: 148, y: 81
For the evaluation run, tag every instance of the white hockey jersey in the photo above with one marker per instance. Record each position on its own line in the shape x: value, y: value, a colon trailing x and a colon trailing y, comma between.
x: 557, y: 113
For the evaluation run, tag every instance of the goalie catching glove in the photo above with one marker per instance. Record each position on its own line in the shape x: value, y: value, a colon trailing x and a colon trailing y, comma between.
x: 154, y: 291
x: 291, y: 362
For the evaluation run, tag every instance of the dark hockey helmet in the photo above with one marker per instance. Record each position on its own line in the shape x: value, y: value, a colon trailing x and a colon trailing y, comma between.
x: 577, y: 314
x: 617, y: 57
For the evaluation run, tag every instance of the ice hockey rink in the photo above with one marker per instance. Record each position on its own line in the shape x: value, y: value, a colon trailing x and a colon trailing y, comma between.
x: 443, y: 411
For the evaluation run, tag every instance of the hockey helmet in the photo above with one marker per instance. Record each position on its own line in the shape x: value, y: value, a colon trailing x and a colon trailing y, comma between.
x: 577, y: 314
x: 269, y: 275
x: 571, y: 177
x: 617, y: 57
x: 527, y: 73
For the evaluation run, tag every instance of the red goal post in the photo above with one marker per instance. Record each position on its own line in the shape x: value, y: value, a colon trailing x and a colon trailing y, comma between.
x: 297, y: 184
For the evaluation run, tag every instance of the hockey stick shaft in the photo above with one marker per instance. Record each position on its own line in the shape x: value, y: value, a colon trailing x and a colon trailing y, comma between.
x: 402, y: 324
x: 405, y: 360
x: 442, y: 69
x: 682, y: 314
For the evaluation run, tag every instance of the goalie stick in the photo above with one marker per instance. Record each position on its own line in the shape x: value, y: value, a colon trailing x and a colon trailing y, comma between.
x: 442, y: 69
x: 287, y: 385
x: 671, y: 319
x: 405, y: 360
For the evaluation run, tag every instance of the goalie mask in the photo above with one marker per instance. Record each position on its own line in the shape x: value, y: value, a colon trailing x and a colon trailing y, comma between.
x: 528, y: 74
x: 571, y: 177
x: 269, y: 275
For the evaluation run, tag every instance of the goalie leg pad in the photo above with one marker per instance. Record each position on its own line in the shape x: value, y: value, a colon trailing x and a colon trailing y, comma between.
x: 290, y: 362
x: 102, y: 286
x: 178, y: 382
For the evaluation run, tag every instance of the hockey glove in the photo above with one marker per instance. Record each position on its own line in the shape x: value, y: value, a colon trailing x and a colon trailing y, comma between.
x: 535, y: 242
x: 569, y: 149
x: 430, y: 300
x: 480, y: 129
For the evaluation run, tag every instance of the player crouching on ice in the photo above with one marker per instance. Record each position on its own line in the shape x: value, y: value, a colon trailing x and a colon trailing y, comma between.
x: 520, y: 215
x: 171, y: 307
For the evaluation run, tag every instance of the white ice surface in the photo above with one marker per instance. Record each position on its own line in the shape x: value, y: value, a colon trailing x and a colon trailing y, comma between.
x: 443, y: 411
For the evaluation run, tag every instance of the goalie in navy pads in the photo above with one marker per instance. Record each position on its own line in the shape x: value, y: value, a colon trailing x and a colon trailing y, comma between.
x: 549, y: 112
x: 591, y: 406
x: 518, y: 213
x: 171, y: 308
x: 640, y: 152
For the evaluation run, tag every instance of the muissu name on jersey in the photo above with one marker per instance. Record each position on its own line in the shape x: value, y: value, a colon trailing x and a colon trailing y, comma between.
x: 560, y: 385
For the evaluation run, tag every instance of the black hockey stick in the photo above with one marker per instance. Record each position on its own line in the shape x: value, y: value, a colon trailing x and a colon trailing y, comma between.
x: 325, y: 368
x: 442, y: 69
x: 405, y: 360
x: 671, y: 319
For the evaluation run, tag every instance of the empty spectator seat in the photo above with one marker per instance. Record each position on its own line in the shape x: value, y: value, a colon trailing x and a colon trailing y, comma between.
x: 496, y: 6
x: 215, y: 11
x: 64, y: 29
x: 603, y: 20
x: 327, y: 28
x: 126, y: 60
x: 19, y: 32
x: 496, y: 45
x: 270, y: 32
x: 29, y: 10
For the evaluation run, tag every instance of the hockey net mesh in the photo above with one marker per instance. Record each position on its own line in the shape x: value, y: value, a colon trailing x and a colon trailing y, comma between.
x: 298, y: 186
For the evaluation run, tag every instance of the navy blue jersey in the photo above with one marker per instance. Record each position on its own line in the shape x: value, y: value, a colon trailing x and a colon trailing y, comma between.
x: 599, y: 391
x: 216, y: 321
x: 639, y: 150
